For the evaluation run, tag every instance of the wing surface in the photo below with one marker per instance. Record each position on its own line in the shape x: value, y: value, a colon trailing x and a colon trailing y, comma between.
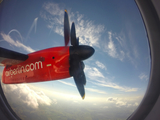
x: 9, y: 57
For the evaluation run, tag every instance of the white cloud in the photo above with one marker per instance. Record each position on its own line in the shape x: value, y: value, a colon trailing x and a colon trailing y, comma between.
x: 14, y: 30
x: 67, y: 83
x: 110, y: 99
x: 121, y: 102
x: 53, y: 8
x: 16, y: 43
x: 118, y: 102
x: 136, y: 104
x: 111, y: 49
x: 88, y: 32
x: 99, y: 79
x: 55, y: 17
x: 122, y: 46
x: 96, y: 90
x: 24, y: 94
x: 128, y: 45
x: 34, y: 25
x: 115, y: 86
x: 143, y: 76
x: 89, y: 89
x: 101, y: 65
x: 93, y: 72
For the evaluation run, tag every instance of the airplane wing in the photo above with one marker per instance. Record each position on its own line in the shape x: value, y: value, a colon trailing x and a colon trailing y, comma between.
x: 9, y: 57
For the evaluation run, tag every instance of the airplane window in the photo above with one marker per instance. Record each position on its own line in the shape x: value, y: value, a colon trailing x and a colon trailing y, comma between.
x: 106, y: 51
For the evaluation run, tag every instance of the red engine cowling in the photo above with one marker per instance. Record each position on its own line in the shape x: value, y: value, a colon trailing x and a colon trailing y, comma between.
x: 44, y: 65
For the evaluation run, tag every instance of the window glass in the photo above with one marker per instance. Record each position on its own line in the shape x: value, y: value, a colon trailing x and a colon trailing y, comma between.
x: 117, y: 74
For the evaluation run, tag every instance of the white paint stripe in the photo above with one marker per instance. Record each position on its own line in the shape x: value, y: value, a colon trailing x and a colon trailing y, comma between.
x: 49, y: 65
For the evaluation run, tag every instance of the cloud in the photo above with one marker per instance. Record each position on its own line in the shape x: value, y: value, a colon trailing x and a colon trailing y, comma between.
x: 115, y: 86
x: 34, y: 24
x: 96, y: 77
x: 112, y: 99
x: 101, y: 65
x: 136, y: 104
x: 54, y: 15
x: 53, y: 9
x: 21, y: 93
x: 95, y: 90
x: 88, y: 32
x: 127, y: 42
x: 66, y: 83
x: 14, y: 30
x: 121, y: 102
x: 16, y: 43
x: 122, y: 46
x: 143, y: 76
x: 111, y: 49
x: 89, y: 89
x: 93, y: 72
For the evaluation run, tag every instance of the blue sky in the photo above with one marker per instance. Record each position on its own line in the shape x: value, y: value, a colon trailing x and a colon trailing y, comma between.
x: 118, y: 72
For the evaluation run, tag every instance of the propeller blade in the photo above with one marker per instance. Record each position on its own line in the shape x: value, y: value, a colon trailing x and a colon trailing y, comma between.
x: 77, y: 72
x: 83, y: 66
x: 83, y: 77
x: 74, y: 40
x: 82, y: 73
x: 77, y: 40
x: 79, y: 83
x: 66, y: 28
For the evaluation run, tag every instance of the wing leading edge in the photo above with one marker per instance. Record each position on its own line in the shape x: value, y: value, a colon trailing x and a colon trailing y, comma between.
x: 9, y: 57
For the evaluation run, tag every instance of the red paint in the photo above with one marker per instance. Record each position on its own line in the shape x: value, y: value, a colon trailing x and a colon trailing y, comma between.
x: 40, y: 66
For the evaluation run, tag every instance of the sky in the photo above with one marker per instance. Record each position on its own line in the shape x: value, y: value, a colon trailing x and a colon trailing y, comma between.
x: 117, y: 74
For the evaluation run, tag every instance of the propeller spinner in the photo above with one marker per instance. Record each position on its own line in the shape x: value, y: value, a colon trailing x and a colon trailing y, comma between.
x: 78, y: 53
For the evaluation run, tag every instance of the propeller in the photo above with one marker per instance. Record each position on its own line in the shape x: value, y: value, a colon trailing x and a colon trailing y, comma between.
x: 78, y: 53
x: 74, y: 40
x: 66, y: 28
